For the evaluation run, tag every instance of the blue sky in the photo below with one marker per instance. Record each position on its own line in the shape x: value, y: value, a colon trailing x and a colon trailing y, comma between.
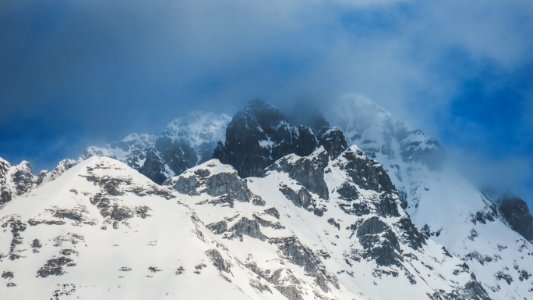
x: 75, y: 73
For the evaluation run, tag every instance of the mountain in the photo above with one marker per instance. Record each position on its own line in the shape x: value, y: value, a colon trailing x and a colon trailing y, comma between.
x: 184, y: 143
x: 288, y: 208
x: 442, y: 202
x: 260, y: 134
x: 103, y: 230
x: 335, y: 217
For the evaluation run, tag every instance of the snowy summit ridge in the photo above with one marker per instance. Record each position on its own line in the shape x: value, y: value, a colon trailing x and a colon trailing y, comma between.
x: 261, y: 206
x: 185, y: 142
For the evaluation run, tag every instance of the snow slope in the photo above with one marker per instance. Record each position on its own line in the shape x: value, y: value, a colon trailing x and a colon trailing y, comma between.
x: 332, y: 244
x: 440, y: 200
x: 101, y: 230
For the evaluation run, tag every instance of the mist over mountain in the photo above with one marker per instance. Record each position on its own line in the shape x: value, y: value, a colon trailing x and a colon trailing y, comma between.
x: 319, y: 216
x: 289, y: 149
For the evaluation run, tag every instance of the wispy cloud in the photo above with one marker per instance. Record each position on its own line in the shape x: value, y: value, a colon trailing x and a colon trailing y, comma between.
x: 108, y: 67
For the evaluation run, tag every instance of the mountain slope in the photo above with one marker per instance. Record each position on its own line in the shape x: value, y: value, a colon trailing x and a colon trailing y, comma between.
x: 440, y: 200
x: 335, y: 219
x: 295, y: 214
x: 102, y: 230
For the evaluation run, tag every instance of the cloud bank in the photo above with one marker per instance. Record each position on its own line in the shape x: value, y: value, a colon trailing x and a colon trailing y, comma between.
x: 99, y: 69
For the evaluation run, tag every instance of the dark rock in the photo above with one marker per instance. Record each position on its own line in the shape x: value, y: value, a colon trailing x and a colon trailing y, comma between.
x: 258, y: 201
x: 273, y: 212
x: 36, y: 244
x: 379, y: 242
x: 472, y: 290
x: 54, y: 267
x: 504, y: 276
x: 180, y: 270
x: 70, y: 214
x: 333, y: 141
x: 367, y: 173
x: 371, y: 226
x: 308, y: 171
x: 5, y: 196
x: 33, y: 222
x: 175, y: 155
x: 266, y: 223
x: 348, y: 192
x: 297, y: 253
x: 410, y: 234
x: 153, y: 167
x: 247, y: 227
x: 355, y: 208
x: 291, y: 292
x: 334, y: 223
x: 186, y: 185
x: 218, y: 260
x: 228, y: 184
x: 120, y: 213
x: 516, y: 213
x: 23, y: 179
x: 218, y: 227
x: 523, y: 275
x: 154, y: 269
x: 387, y: 206
x: 260, y: 134
x: 16, y: 226
x: 488, y: 214
x: 198, y: 268
x: 142, y: 211
x: 8, y: 275
x: 68, y: 252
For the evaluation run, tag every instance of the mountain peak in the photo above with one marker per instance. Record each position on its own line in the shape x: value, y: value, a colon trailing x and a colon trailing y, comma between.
x: 15, y: 180
x: 185, y: 142
x: 260, y: 134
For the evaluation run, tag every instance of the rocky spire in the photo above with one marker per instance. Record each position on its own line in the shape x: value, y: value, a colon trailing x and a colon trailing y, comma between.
x: 260, y: 134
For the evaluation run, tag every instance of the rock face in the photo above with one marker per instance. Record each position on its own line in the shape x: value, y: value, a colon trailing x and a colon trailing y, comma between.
x: 260, y: 134
x: 516, y: 213
x: 15, y: 180
x: 183, y: 144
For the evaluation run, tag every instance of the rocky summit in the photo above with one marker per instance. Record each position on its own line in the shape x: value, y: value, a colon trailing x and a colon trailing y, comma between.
x: 260, y: 134
x: 262, y: 206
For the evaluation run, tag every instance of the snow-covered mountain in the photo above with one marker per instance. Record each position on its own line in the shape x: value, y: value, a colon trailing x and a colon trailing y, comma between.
x: 283, y: 211
x: 103, y: 230
x: 440, y: 200
x: 185, y: 142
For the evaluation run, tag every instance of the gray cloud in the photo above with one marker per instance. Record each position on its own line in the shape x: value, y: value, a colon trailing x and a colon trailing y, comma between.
x: 109, y: 67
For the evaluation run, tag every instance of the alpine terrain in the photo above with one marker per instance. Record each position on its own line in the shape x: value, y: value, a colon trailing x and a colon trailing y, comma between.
x: 262, y: 206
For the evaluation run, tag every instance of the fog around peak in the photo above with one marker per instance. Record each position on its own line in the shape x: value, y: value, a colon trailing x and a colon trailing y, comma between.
x: 86, y: 72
